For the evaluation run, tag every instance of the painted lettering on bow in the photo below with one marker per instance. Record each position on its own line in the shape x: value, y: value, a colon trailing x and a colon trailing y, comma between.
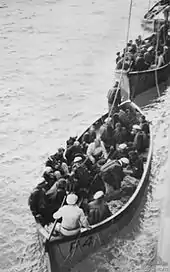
x: 73, y: 246
x: 89, y: 241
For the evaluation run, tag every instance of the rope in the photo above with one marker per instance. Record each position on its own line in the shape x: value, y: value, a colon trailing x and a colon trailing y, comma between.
x: 127, y: 38
x: 156, y: 57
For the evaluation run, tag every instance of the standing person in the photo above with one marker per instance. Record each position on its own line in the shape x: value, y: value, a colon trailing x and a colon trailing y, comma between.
x: 72, y: 216
x: 111, y: 96
x: 118, y: 57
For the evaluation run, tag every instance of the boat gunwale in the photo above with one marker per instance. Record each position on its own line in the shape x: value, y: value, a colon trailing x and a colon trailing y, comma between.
x: 109, y: 220
x: 142, y: 72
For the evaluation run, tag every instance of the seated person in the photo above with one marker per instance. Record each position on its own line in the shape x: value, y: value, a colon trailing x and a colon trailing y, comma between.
x: 72, y: 150
x: 106, y: 134
x: 62, y: 167
x: 97, y: 184
x: 81, y: 176
x: 39, y: 205
x: 57, y: 192
x: 139, y: 141
x: 125, y: 135
x: 144, y: 124
x: 96, y: 150
x: 118, y: 57
x: 113, y: 172
x: 48, y: 176
x: 92, y: 134
x: 136, y: 164
x: 120, y: 152
x: 118, y: 137
x: 98, y: 209
x: 140, y: 64
x: 73, y: 217
x: 123, y: 118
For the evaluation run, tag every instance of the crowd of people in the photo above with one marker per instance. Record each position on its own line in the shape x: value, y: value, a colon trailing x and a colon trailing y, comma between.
x: 73, y: 183
x: 145, y: 54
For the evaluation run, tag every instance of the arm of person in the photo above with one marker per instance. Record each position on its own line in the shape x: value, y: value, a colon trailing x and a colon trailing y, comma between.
x: 104, y: 150
x: 83, y: 220
x: 58, y: 214
x: 89, y: 153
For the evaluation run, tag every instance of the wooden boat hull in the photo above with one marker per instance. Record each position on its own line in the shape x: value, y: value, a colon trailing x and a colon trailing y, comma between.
x: 154, y: 18
x: 135, y: 83
x: 64, y: 254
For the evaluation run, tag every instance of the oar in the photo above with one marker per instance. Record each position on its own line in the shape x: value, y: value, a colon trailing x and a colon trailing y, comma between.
x: 56, y: 219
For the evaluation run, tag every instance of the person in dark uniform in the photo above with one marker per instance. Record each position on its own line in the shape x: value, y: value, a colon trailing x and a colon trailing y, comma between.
x: 98, y: 209
x: 111, y: 96
x: 136, y: 164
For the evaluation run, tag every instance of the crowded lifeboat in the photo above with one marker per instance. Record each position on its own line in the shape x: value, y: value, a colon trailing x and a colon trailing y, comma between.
x: 146, y: 54
x: 78, y: 179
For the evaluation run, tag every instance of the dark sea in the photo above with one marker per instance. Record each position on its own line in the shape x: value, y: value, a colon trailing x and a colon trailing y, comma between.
x: 56, y: 66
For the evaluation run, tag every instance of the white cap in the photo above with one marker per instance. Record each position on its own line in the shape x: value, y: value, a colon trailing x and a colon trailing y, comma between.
x: 48, y: 169
x: 124, y: 160
x: 122, y: 146
x: 98, y: 195
x: 77, y: 159
x: 71, y: 199
x: 136, y: 127
x: 108, y: 120
x: 57, y: 174
x: 166, y: 47
x: 150, y: 48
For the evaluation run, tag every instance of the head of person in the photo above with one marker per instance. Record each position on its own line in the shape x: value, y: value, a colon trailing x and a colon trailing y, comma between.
x: 135, y: 129
x: 122, y: 147
x: 57, y: 175
x: 48, y: 172
x: 165, y: 49
x: 124, y: 130
x: 61, y: 184
x: 150, y: 49
x: 124, y: 161
x: 127, y: 111
x: 86, y: 137
x: 142, y: 119
x: 61, y: 151
x: 139, y: 37
x: 71, y: 141
x: 98, y: 196
x: 118, y: 126
x: 116, y: 84
x: 118, y: 54
x: 72, y: 199
x: 76, y: 143
x: 77, y: 160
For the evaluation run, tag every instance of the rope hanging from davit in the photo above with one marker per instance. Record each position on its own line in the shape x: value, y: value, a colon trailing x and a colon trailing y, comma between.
x: 127, y: 38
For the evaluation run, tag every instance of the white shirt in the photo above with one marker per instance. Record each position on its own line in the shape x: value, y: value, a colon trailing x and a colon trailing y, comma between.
x: 72, y: 217
x: 92, y: 150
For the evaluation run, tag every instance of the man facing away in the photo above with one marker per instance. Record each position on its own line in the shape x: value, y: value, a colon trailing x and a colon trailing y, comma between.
x: 73, y: 217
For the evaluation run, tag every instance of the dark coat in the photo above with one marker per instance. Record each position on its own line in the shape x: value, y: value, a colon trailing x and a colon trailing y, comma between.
x: 112, y: 173
x: 98, y: 211
x: 137, y: 168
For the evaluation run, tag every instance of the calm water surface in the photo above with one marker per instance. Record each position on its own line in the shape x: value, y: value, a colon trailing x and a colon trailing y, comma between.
x: 57, y: 63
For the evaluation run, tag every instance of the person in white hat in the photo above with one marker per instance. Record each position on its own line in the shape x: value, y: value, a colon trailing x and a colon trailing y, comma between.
x: 138, y: 138
x: 121, y: 151
x: 98, y: 210
x: 73, y: 217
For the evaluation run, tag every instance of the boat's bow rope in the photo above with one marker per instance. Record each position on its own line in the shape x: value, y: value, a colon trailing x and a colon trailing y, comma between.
x: 121, y: 75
